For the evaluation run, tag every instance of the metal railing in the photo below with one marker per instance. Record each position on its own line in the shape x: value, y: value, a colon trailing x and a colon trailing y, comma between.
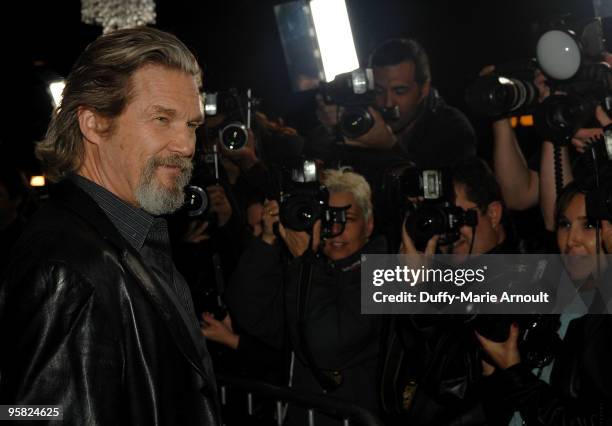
x: 346, y: 413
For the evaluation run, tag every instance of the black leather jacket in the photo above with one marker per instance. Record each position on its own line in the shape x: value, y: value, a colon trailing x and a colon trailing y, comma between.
x: 580, y: 390
x: 85, y: 326
x: 341, y: 340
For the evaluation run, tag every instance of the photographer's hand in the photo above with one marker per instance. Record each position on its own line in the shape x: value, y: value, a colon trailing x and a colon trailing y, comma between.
x: 277, y: 126
x: 487, y: 369
x: 584, y: 137
x: 219, y: 331
x: 270, y: 217
x: 504, y: 354
x: 539, y: 81
x: 196, y: 231
x: 380, y: 136
x: 408, y: 247
x: 297, y: 242
x: 219, y: 203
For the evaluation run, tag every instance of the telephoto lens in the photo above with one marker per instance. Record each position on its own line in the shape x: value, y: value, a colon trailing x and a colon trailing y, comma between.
x: 497, y: 96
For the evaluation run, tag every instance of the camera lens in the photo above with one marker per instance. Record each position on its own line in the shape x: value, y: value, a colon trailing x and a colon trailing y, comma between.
x: 299, y: 212
x: 355, y: 122
x: 493, y: 95
x: 234, y: 136
x: 196, y: 201
x: 425, y: 222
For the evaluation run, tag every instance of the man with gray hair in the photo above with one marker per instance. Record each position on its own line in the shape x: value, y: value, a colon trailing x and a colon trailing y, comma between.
x: 94, y: 317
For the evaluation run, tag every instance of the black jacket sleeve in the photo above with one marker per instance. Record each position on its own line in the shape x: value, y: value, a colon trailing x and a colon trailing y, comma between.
x: 255, y: 294
x: 64, y: 348
x: 580, y: 391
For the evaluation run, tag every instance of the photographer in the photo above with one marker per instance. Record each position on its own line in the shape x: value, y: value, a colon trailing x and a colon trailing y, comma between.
x: 577, y: 390
x: 435, y: 361
x: 426, y: 130
x: 475, y: 188
x: 336, y: 348
x: 525, y: 183
x: 418, y: 127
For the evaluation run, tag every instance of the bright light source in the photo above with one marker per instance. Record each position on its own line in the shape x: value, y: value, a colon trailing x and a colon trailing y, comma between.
x: 558, y: 54
x: 37, y: 181
x: 513, y: 121
x: 335, y: 37
x: 56, y: 88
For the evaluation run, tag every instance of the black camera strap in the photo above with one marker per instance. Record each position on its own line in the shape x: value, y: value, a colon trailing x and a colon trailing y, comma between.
x: 558, y: 164
x: 329, y: 381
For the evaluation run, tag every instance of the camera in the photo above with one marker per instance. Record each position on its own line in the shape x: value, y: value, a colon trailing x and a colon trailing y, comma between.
x: 304, y: 200
x: 206, y: 173
x: 424, y: 197
x: 439, y: 217
x: 560, y: 116
x: 236, y: 109
x: 508, y: 91
x: 354, y: 92
x: 538, y: 341
x: 302, y: 206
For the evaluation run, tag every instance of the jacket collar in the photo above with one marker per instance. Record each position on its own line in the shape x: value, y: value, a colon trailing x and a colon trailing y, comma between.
x: 71, y: 197
x: 376, y: 245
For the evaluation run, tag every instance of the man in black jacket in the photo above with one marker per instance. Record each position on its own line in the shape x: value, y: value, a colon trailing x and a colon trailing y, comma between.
x: 94, y: 317
x: 429, y: 133
x: 432, y: 371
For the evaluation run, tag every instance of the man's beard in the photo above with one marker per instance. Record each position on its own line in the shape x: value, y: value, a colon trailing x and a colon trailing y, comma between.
x: 154, y: 197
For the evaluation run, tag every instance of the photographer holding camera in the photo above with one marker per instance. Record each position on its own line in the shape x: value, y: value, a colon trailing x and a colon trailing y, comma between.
x: 336, y: 348
x: 434, y: 362
x: 407, y: 121
x: 567, y: 90
x: 423, y: 128
x: 577, y: 389
x: 474, y: 189
x: 524, y: 183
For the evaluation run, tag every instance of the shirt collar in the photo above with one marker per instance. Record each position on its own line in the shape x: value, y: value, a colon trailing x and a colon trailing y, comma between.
x: 133, y: 223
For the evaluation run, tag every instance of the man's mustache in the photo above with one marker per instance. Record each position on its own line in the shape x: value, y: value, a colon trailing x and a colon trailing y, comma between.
x: 183, y: 163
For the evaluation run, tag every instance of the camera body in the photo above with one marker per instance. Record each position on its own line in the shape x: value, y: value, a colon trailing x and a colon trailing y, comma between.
x: 425, y: 197
x: 573, y: 105
x: 538, y: 341
x: 439, y: 217
x: 304, y: 200
x: 354, y: 92
x: 235, y: 108
x: 303, y: 205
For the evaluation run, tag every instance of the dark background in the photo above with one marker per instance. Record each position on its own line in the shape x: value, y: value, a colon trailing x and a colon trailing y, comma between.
x: 238, y: 45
